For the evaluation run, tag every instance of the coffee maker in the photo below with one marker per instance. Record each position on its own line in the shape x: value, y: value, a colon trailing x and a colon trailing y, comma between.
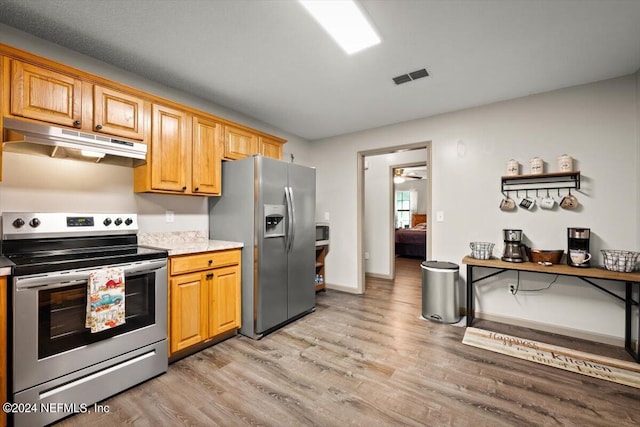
x: 512, y: 245
x: 578, y: 241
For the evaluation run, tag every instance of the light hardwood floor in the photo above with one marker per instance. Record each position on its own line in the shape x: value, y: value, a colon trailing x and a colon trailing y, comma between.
x: 368, y: 361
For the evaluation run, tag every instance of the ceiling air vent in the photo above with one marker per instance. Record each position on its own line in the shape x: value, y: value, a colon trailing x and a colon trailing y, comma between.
x: 414, y: 75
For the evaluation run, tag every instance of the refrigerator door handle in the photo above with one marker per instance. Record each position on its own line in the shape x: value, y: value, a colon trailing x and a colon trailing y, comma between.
x: 292, y: 221
x: 288, y: 235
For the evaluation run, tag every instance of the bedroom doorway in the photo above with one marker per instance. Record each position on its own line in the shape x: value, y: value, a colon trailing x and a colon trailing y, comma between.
x: 409, y: 202
x: 376, y: 216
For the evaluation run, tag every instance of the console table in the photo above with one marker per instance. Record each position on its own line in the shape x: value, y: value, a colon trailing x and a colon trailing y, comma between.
x: 631, y: 299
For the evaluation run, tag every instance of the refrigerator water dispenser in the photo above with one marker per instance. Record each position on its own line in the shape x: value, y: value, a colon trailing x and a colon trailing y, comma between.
x: 273, y: 221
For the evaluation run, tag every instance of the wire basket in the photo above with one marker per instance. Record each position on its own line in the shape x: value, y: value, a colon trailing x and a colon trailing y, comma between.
x: 616, y: 260
x: 481, y: 250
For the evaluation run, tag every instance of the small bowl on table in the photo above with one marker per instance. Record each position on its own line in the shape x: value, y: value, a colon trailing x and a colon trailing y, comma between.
x: 545, y: 256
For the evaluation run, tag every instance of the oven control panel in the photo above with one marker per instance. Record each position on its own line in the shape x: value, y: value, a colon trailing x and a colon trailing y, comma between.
x: 45, y: 224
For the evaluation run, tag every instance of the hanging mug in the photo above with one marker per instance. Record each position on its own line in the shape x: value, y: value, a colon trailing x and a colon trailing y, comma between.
x: 569, y: 202
x: 527, y: 203
x: 507, y: 204
x: 547, y: 202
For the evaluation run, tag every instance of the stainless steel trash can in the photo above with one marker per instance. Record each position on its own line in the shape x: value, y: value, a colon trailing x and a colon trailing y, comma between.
x: 440, y: 291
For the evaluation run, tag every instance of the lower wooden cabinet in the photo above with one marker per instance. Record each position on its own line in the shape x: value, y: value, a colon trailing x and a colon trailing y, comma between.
x: 204, y: 297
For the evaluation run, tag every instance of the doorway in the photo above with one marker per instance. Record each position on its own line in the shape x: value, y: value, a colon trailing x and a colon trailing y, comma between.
x: 411, y: 154
x: 409, y: 204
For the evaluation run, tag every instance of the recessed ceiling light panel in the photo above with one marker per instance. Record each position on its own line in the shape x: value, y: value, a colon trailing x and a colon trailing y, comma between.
x: 345, y: 22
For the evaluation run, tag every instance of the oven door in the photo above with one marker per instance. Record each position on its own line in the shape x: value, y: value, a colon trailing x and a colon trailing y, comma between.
x: 49, y: 334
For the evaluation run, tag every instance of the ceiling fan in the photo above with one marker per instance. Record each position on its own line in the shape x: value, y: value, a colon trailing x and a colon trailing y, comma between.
x: 399, y: 175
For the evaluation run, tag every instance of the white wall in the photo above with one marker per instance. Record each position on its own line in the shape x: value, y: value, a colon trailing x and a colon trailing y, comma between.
x: 32, y: 183
x: 595, y: 123
x: 378, y: 207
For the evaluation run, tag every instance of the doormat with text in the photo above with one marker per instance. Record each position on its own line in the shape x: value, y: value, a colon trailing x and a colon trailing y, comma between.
x: 605, y: 368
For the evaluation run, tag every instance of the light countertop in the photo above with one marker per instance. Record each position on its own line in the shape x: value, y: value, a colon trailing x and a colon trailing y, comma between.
x: 185, y: 242
x: 5, y: 266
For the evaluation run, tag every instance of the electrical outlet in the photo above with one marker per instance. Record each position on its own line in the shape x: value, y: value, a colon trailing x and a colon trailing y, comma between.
x: 169, y: 216
x: 366, y: 255
x: 512, y: 288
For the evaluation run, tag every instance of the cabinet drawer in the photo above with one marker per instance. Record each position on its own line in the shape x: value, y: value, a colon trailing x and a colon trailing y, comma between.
x: 204, y: 261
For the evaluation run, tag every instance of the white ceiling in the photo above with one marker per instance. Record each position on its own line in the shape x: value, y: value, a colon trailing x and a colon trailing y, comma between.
x: 268, y: 59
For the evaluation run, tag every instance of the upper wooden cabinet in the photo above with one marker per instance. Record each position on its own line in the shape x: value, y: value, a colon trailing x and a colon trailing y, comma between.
x: 117, y: 113
x: 185, y: 155
x: 170, y: 149
x: 239, y: 143
x: 41, y: 94
x: 206, y: 175
x: 271, y: 148
x: 55, y: 97
x: 185, y: 145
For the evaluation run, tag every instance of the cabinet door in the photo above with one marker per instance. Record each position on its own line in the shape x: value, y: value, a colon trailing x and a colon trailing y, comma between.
x: 117, y: 113
x: 224, y: 300
x: 41, y: 94
x: 189, y: 311
x: 239, y: 143
x: 207, y: 157
x: 270, y: 148
x: 170, y: 149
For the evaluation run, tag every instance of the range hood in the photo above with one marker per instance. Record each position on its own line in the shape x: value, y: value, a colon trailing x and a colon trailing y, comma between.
x: 35, y: 138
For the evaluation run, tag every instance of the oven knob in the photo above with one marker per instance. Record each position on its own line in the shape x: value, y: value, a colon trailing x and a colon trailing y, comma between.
x: 34, y: 222
x: 107, y: 222
x: 19, y: 222
x: 128, y: 221
x: 118, y: 221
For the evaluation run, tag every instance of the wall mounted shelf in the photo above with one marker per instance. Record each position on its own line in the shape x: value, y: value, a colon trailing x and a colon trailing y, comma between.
x: 545, y: 181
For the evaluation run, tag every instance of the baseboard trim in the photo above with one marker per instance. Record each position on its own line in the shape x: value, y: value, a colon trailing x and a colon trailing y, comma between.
x: 342, y: 288
x: 554, y: 329
x: 379, y: 276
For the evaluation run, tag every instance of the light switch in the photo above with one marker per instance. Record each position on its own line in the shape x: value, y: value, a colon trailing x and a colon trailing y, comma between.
x: 440, y: 216
x: 169, y: 216
x: 326, y: 216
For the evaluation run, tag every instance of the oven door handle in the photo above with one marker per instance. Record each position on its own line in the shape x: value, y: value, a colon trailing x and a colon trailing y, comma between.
x: 76, y: 277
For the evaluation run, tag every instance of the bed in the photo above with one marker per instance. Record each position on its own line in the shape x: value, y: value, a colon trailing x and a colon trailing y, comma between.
x: 412, y: 242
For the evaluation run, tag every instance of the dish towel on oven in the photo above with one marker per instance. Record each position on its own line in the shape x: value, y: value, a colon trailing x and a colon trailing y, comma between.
x: 105, y: 299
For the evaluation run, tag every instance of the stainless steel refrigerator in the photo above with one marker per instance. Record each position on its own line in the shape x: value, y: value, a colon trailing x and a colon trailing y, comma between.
x: 269, y: 205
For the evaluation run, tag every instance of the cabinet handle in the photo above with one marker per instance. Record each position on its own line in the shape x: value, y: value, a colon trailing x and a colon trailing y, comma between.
x: 184, y: 188
x: 210, y: 261
x: 77, y: 123
x: 196, y: 189
x: 98, y: 127
x: 209, y: 276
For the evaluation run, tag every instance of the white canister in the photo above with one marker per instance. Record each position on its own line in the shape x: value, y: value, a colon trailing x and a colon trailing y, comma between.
x: 565, y: 163
x: 537, y: 166
x: 513, y: 167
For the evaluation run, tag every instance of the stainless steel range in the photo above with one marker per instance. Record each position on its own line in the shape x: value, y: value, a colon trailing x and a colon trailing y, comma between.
x: 57, y: 364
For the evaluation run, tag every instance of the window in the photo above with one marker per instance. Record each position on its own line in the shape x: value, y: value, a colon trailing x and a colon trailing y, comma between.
x: 403, y: 209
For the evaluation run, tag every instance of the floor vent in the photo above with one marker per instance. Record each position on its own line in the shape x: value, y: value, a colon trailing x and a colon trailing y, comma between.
x: 414, y: 75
